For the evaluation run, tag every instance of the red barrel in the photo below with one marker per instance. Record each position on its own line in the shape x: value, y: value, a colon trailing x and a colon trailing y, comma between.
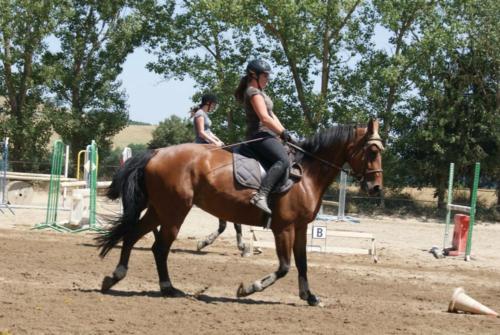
x: 460, y: 233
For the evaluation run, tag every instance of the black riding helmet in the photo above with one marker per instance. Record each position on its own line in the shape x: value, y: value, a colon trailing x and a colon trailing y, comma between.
x: 258, y: 66
x: 208, y: 97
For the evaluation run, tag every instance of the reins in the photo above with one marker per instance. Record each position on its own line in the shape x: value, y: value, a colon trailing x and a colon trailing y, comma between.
x: 293, y: 146
x: 335, y: 166
x: 332, y: 165
x: 374, y: 140
x: 238, y: 143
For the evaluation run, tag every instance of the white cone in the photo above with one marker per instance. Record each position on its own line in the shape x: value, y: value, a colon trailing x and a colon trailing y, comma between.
x: 460, y: 301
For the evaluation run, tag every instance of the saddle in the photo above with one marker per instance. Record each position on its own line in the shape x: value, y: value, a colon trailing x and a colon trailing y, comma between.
x: 248, y: 172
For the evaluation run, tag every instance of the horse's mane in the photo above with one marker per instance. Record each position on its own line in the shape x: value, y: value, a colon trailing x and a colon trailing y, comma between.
x: 328, y: 137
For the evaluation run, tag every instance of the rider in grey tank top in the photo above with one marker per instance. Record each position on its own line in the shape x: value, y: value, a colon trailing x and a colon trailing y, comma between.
x: 207, y: 123
x: 202, y: 123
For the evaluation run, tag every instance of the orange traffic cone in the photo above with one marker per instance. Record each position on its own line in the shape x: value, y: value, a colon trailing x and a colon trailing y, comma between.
x: 462, y: 302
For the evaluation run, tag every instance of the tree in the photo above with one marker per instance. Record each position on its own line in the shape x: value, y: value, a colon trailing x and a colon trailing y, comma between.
x: 96, y: 37
x: 312, y: 44
x: 212, y: 41
x: 454, y: 118
x: 171, y: 131
x: 381, y: 84
x: 23, y: 27
x: 110, y: 163
x: 198, y: 42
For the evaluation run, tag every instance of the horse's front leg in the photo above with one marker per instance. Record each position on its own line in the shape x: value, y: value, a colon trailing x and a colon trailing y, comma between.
x: 300, y: 255
x: 284, y: 240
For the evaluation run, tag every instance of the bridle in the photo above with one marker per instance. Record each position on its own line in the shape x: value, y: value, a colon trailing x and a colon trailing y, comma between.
x: 374, y: 139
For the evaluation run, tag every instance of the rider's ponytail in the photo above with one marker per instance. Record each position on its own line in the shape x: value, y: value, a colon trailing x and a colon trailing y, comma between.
x: 193, y: 110
x: 240, y: 91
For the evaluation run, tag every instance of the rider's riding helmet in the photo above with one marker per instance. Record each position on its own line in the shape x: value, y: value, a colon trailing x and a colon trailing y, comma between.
x: 207, y: 98
x: 258, y: 66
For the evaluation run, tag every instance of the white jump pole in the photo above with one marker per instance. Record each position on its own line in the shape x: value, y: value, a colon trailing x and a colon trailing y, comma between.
x: 341, y: 213
x: 3, y: 178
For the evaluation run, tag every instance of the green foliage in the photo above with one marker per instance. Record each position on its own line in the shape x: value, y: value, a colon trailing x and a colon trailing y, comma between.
x: 23, y: 27
x: 310, y: 43
x: 111, y: 162
x: 171, y: 131
x: 199, y: 43
x: 96, y: 37
x: 137, y: 148
x: 454, y: 117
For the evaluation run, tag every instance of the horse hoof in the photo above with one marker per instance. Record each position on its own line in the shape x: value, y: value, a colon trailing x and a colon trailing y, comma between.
x: 172, y: 292
x: 240, y: 292
x: 312, y: 300
x: 246, y: 252
x: 107, y: 283
x: 200, y: 245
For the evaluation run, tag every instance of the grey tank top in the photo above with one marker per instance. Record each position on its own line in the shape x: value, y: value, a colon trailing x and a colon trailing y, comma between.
x: 206, y: 125
x: 254, y: 125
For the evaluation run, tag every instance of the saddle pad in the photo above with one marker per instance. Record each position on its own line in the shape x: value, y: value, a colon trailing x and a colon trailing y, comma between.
x: 249, y: 173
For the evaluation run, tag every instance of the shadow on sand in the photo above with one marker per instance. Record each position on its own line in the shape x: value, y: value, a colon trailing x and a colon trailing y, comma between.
x: 173, y: 250
x: 200, y: 297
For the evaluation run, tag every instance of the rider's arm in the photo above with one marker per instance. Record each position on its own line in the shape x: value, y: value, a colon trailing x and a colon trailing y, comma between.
x: 200, y: 128
x: 259, y: 106
x: 277, y: 120
x: 218, y: 139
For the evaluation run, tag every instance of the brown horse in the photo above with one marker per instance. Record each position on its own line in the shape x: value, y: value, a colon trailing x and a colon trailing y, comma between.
x: 169, y: 181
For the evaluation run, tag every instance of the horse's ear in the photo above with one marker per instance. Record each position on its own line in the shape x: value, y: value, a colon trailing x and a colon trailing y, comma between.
x: 373, y: 126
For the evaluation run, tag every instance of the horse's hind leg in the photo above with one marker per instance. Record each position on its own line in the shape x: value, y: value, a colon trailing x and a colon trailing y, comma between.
x: 144, y: 226
x: 239, y: 237
x: 284, y: 241
x: 212, y: 237
x: 161, y: 249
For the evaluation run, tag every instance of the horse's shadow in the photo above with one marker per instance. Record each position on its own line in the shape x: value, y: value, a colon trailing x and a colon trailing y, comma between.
x: 173, y: 250
x: 200, y: 297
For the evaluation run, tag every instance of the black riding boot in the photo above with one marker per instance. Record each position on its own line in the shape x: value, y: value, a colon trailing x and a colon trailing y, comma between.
x: 272, y: 177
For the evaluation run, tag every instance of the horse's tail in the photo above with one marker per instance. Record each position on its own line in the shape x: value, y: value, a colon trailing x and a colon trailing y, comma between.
x: 128, y: 182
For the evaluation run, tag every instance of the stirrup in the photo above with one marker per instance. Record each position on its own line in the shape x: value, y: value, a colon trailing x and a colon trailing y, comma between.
x: 259, y: 200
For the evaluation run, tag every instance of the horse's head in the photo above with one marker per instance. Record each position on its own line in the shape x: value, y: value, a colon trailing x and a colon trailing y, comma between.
x: 365, y: 158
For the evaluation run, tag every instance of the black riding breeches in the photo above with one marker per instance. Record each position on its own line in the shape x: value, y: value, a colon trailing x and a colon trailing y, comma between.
x: 272, y: 155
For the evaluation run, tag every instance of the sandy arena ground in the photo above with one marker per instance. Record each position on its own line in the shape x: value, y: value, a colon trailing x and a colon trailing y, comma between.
x: 49, y: 284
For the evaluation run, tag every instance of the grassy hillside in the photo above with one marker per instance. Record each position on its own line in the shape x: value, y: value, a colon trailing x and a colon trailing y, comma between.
x: 136, y: 134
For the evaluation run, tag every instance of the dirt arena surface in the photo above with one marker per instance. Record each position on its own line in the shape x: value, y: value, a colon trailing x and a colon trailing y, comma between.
x: 49, y: 284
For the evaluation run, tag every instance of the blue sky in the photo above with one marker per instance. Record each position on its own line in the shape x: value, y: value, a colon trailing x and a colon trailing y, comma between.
x: 152, y: 99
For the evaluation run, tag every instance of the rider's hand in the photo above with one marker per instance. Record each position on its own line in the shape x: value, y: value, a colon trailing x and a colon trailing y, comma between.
x: 288, y: 137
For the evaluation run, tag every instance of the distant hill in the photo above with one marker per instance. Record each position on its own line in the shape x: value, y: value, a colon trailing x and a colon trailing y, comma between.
x: 136, y: 134
x: 138, y: 123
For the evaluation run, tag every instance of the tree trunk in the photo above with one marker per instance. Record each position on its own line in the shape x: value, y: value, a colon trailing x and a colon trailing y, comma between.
x: 498, y: 193
x: 440, y: 191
